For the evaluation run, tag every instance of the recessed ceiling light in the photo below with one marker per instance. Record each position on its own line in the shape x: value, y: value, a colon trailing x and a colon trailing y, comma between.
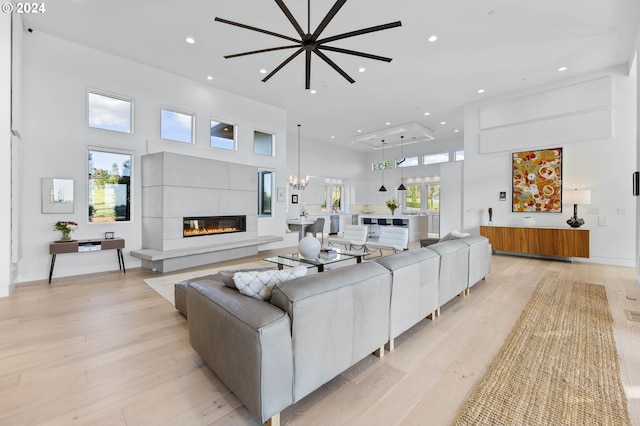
x: 427, y: 113
x: 387, y: 123
x: 443, y: 122
x: 432, y: 38
x: 362, y: 69
x: 456, y: 130
x: 480, y: 90
x: 312, y: 91
x: 209, y: 77
x: 263, y: 71
x: 562, y: 69
x: 333, y: 137
x: 190, y: 40
x: 359, y: 130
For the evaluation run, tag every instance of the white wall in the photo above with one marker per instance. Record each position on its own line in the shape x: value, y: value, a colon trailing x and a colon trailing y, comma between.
x: 57, y: 74
x: 602, y: 165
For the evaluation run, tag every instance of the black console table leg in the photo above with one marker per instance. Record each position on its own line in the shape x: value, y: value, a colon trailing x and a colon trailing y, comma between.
x: 121, y: 260
x: 53, y: 262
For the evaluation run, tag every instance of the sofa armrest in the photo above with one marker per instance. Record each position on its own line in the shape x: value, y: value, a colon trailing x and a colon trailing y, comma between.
x: 246, y: 343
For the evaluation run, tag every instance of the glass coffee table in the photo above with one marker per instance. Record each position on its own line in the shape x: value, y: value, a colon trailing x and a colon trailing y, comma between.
x: 296, y: 259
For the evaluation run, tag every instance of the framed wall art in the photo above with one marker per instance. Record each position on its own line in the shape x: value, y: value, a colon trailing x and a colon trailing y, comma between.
x: 57, y: 195
x: 537, y: 181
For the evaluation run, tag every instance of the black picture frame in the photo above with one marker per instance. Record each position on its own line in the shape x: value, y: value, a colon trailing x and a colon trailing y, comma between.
x: 294, y: 198
x: 109, y: 235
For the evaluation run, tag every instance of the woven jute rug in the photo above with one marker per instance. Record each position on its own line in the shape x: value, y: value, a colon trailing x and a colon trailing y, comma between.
x: 559, y: 365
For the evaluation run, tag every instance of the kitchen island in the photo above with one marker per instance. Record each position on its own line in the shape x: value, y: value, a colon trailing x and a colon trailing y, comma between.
x: 418, y: 225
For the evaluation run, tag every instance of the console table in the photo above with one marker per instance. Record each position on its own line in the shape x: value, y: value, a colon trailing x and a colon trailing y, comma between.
x: 564, y: 242
x: 81, y: 246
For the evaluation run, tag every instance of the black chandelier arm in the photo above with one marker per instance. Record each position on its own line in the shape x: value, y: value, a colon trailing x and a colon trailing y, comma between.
x: 285, y: 62
x: 290, y: 17
x: 307, y: 69
x: 260, y: 30
x: 360, y: 32
x: 334, y: 66
x: 354, y: 52
x: 329, y: 16
x: 253, y: 52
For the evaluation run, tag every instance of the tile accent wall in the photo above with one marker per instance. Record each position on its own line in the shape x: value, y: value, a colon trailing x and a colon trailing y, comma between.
x: 176, y: 185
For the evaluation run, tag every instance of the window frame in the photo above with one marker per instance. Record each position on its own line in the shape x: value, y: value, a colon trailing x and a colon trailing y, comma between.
x: 183, y: 112
x: 377, y: 165
x: 129, y: 190
x: 273, y: 142
x: 105, y: 94
x: 261, y: 192
x: 424, y: 158
x: 403, y: 162
x: 235, y: 134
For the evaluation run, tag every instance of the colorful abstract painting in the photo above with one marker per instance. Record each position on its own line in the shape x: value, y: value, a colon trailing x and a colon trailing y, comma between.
x: 537, y: 181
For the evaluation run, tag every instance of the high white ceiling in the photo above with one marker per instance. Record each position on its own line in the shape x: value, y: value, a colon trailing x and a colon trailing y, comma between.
x: 500, y: 46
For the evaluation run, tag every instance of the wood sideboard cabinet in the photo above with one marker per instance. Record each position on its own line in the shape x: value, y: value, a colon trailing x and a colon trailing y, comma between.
x: 564, y: 242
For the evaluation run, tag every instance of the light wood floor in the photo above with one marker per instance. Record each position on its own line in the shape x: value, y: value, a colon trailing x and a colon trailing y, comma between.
x: 106, y: 349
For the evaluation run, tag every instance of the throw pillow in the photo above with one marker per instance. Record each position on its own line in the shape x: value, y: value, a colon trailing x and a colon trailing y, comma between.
x: 259, y: 284
x: 227, y: 276
x: 454, y: 235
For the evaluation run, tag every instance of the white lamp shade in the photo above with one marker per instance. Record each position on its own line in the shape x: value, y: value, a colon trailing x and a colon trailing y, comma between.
x: 576, y: 196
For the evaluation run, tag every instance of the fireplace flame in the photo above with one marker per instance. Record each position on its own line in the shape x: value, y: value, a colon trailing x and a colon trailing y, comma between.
x: 208, y: 231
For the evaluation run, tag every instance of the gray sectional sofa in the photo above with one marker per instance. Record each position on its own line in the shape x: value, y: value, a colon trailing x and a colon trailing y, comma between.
x: 272, y: 354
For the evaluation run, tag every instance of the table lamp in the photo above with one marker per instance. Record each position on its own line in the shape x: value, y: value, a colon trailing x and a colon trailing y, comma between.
x: 575, y: 197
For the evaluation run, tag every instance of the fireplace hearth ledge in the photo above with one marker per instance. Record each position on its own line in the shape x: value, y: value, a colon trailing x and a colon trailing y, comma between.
x: 174, y: 260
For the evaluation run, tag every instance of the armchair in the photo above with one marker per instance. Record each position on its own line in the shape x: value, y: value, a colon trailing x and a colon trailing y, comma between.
x: 391, y: 238
x: 354, y: 236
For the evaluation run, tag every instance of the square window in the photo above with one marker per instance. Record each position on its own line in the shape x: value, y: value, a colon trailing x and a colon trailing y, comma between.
x: 263, y: 143
x: 223, y: 135
x: 109, y: 112
x: 176, y: 125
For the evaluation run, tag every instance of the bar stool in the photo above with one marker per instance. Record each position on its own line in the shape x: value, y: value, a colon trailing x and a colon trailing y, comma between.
x: 398, y: 222
x: 368, y: 222
x: 383, y: 222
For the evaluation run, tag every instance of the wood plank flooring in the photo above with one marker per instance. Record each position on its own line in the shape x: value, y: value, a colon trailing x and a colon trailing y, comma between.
x: 107, y: 349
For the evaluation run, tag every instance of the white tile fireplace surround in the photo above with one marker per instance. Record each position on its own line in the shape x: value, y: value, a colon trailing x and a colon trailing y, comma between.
x: 175, y: 186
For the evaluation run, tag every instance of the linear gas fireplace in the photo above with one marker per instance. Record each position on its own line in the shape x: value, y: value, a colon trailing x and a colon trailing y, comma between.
x: 213, y: 225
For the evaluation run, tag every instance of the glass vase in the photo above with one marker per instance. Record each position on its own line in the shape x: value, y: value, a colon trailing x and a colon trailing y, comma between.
x: 66, y: 235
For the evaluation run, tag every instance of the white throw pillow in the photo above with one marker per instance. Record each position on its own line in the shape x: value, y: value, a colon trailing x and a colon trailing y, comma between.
x: 259, y: 284
x: 454, y: 235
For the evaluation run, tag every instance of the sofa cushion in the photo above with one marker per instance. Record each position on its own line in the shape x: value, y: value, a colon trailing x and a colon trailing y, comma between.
x: 227, y: 276
x: 259, y: 284
x: 454, y: 235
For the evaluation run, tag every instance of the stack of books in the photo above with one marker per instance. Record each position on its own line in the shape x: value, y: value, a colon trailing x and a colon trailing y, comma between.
x: 328, y: 253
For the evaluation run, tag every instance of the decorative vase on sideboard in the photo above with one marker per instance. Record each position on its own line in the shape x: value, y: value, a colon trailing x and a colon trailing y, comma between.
x: 528, y: 221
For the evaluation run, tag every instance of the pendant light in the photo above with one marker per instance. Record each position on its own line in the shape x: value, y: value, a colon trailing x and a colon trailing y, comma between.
x: 402, y: 187
x: 382, y: 167
x: 298, y: 183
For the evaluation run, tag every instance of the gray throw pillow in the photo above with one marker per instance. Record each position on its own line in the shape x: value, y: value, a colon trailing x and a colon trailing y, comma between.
x: 226, y: 276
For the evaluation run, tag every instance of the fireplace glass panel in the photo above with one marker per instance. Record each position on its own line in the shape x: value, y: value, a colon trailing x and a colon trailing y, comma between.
x: 213, y: 225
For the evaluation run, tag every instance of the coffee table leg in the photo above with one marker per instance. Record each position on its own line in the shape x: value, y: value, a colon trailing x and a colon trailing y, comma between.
x: 280, y: 266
